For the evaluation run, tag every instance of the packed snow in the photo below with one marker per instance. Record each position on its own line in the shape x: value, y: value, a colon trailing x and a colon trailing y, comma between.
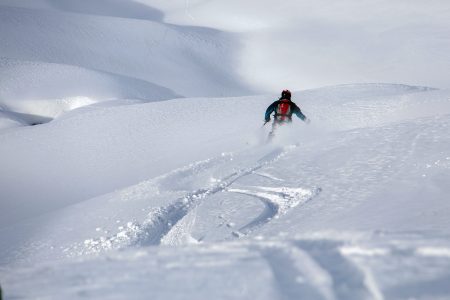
x: 149, y: 173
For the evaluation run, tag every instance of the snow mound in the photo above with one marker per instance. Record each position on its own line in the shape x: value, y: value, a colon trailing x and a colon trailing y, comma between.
x: 55, y: 88
x: 10, y: 120
x: 187, y: 60
x: 111, y: 8
x: 55, y: 61
x: 323, y: 266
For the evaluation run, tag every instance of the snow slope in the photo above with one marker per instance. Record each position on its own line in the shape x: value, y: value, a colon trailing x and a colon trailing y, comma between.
x: 117, y: 194
x: 133, y: 49
x: 324, y: 212
x: 53, y: 57
x: 145, y: 50
x: 307, y: 44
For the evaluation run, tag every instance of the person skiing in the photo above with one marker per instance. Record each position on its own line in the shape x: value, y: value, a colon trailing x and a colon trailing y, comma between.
x: 283, y: 108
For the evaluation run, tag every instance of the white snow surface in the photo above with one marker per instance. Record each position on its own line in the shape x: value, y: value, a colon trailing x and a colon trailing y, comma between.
x: 123, y: 201
x: 143, y: 181
x: 55, y: 51
x: 59, y: 55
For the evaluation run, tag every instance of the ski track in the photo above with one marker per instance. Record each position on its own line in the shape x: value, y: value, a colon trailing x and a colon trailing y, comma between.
x: 296, y: 273
x: 167, y: 224
x: 265, y: 175
x: 349, y: 280
x: 277, y: 201
x: 316, y: 269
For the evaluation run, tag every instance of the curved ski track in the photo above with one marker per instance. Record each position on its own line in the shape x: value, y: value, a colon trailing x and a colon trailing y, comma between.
x: 171, y: 222
x: 277, y: 202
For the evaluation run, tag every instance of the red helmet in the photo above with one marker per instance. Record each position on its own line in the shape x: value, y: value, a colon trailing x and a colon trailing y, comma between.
x: 286, y: 94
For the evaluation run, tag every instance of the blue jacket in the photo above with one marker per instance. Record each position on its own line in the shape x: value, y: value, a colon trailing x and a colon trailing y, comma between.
x: 294, y: 110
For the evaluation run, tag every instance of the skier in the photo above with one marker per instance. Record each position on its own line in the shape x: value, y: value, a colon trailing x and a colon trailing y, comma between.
x: 283, y: 108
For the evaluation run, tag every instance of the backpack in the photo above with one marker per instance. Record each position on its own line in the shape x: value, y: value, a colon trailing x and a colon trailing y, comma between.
x: 283, y: 112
